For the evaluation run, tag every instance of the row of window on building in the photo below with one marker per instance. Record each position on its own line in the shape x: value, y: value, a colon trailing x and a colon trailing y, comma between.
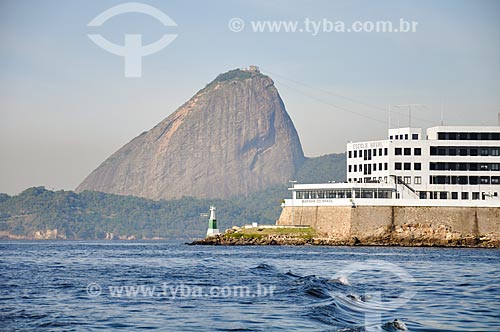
x: 380, y: 179
x: 344, y: 193
x: 367, y: 169
x: 407, y: 151
x: 367, y: 154
x: 464, y: 151
x: 464, y: 180
x: 403, y: 137
x: 464, y: 166
x: 435, y: 179
x: 384, y: 193
x: 475, y: 195
x: 468, y: 136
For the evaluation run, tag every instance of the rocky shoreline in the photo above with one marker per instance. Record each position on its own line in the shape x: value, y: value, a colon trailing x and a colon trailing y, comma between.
x: 460, y: 242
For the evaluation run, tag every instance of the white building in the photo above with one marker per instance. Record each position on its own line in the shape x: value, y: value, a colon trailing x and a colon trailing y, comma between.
x: 454, y: 165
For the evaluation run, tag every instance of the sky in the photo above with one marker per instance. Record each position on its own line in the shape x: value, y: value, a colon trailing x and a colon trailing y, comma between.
x: 66, y: 105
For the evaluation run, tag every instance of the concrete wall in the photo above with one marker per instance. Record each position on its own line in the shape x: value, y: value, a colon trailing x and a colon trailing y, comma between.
x: 331, y: 221
x: 374, y: 221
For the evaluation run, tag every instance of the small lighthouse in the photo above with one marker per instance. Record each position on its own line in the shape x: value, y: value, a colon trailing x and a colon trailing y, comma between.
x: 212, y: 223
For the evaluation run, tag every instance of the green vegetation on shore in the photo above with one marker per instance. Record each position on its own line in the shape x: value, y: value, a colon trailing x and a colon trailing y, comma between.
x: 93, y: 215
x: 90, y: 215
x: 305, y: 233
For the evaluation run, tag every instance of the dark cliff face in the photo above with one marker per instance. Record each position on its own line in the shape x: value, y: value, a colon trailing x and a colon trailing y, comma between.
x: 233, y: 137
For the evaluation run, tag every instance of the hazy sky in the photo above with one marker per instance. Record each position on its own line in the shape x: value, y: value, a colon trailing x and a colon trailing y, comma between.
x: 65, y: 104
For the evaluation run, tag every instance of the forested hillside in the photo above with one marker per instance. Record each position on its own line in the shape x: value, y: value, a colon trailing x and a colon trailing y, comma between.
x: 37, y: 212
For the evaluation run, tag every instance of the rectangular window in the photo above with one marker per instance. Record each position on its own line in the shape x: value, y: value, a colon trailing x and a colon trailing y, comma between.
x: 390, y: 137
x: 360, y: 168
x: 465, y: 196
x: 386, y: 166
x: 463, y: 152
x: 452, y: 152
x: 355, y: 154
x: 406, y: 136
x: 473, y: 152
x: 443, y: 195
x: 350, y: 168
x: 350, y: 154
x: 417, y: 180
x: 417, y: 151
x: 454, y: 195
x: 484, y: 152
x: 417, y: 166
x: 485, y: 180
x: 380, y: 151
x: 379, y: 166
x: 407, y: 166
x: 407, y: 151
x: 397, y: 151
x: 494, y: 167
x: 414, y: 136
x: 495, y: 180
x: 475, y: 195
x: 360, y: 153
x: 374, y: 152
x: 397, y: 166
x: 407, y: 179
x: 495, y: 152
x: 374, y: 167
x: 386, y: 151
x: 355, y: 168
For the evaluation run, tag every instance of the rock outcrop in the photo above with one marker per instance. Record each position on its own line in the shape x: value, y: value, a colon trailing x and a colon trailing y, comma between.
x: 233, y: 137
x: 387, y: 239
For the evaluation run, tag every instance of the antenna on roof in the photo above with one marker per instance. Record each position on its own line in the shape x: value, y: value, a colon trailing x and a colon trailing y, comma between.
x: 442, y: 113
x: 389, y: 116
x: 410, y: 106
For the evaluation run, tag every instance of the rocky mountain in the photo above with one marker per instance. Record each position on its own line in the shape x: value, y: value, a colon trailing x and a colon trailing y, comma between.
x: 233, y: 137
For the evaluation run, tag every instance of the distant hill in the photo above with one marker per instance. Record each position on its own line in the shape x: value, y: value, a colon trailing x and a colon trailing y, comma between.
x: 37, y: 212
x: 330, y: 167
x: 233, y: 137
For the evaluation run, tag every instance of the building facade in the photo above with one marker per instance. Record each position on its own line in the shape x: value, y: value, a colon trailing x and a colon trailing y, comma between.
x: 445, y: 166
x: 459, y: 163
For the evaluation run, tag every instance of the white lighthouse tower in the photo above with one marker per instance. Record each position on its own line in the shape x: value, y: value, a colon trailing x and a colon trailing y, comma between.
x: 212, y: 223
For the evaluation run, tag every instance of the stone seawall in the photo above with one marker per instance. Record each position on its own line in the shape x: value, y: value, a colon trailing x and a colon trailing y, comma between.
x: 400, y: 225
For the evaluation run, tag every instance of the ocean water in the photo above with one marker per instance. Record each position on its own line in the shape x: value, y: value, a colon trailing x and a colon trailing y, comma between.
x: 169, y: 286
